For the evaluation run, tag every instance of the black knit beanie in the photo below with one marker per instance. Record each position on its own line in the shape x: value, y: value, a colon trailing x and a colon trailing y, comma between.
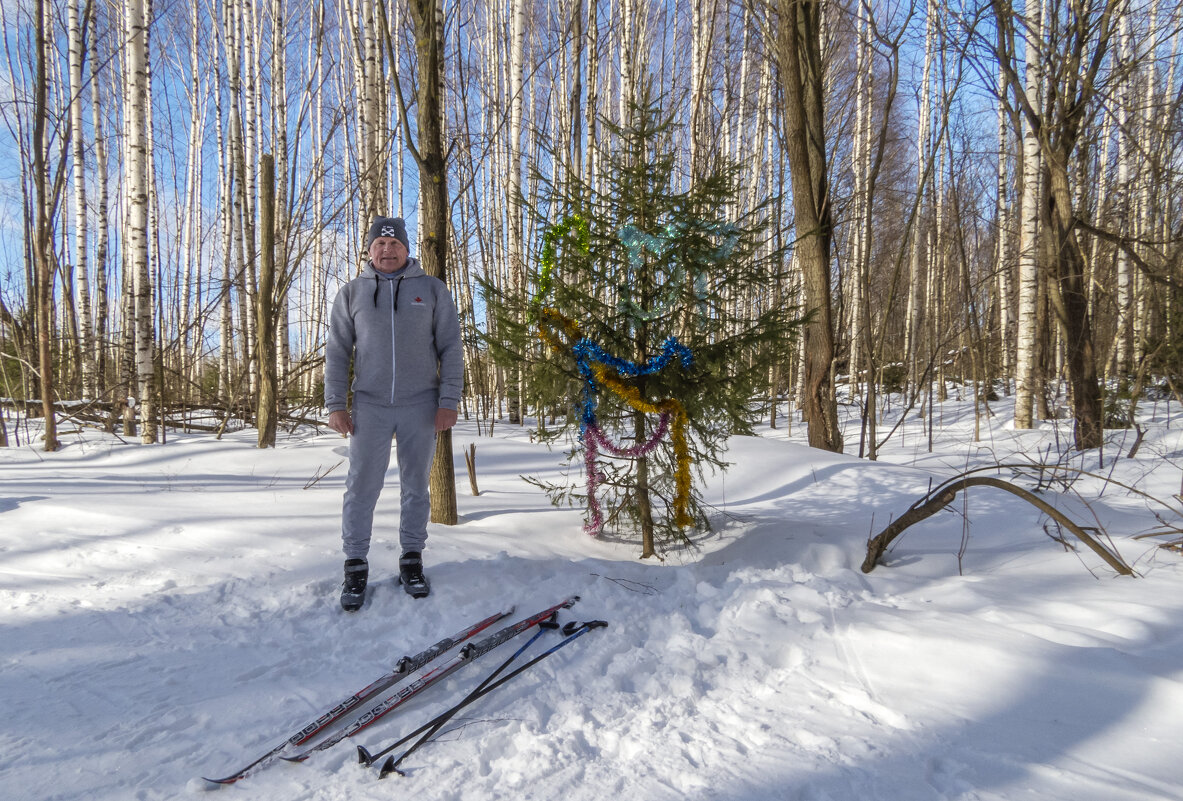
x: 388, y: 226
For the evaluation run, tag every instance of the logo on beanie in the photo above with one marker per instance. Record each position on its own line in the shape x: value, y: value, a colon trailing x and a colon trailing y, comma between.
x: 387, y: 230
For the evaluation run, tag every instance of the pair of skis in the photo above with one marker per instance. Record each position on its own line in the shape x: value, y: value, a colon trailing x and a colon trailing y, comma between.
x: 405, y: 666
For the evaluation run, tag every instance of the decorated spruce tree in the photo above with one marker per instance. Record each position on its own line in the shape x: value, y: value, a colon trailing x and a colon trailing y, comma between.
x: 653, y: 316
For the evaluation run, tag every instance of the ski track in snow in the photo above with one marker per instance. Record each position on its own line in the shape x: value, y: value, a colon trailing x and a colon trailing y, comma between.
x: 171, y: 612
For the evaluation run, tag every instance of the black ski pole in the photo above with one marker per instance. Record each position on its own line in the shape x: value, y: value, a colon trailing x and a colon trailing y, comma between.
x: 573, y: 631
x: 367, y: 759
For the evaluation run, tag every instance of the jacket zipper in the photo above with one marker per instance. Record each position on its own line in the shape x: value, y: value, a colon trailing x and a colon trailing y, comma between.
x: 394, y: 305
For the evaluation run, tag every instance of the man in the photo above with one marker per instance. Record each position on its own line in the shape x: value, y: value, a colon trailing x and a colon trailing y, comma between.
x: 398, y: 328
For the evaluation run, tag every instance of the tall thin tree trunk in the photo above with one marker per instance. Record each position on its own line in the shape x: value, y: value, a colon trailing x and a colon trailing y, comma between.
x: 801, y: 66
x: 42, y: 233
x: 433, y: 209
x: 514, y: 210
x: 918, y: 235
x: 99, y: 324
x: 280, y: 211
x: 1026, y: 353
x: 81, y: 213
x: 136, y: 17
x: 1002, y: 207
x: 226, y: 231
x: 265, y: 347
x: 1126, y: 152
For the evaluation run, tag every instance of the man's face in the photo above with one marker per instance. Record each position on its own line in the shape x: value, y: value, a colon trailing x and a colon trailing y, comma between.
x: 387, y: 254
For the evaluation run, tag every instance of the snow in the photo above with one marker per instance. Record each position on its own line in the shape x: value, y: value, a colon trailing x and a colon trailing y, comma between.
x: 171, y: 612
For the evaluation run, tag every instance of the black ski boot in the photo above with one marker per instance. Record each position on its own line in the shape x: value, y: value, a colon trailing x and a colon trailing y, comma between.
x: 353, y: 590
x: 410, y: 575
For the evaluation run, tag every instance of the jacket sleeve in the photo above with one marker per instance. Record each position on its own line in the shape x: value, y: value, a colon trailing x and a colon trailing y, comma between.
x: 339, y: 353
x: 450, y: 350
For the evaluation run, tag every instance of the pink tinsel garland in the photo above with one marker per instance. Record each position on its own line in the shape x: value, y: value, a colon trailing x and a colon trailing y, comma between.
x: 595, y: 439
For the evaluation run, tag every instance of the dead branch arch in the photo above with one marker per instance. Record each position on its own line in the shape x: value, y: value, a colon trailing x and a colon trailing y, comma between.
x: 943, y: 495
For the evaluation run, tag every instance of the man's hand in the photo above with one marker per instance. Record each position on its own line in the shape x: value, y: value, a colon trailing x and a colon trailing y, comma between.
x: 444, y: 419
x: 342, y: 423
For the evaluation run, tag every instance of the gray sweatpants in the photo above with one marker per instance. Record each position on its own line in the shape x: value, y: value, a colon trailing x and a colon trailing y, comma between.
x: 369, y: 456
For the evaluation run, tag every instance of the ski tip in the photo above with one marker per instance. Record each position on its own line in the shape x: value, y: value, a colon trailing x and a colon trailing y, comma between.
x: 388, y: 767
x: 220, y: 782
x: 364, y: 757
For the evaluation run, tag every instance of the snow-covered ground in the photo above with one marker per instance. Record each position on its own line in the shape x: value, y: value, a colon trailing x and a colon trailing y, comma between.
x: 171, y: 612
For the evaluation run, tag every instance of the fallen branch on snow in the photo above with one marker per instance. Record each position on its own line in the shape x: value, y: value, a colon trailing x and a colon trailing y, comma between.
x: 944, y: 494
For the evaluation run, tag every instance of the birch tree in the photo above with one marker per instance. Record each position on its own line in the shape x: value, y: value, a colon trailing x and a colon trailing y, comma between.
x: 917, y: 232
x: 513, y: 193
x: 1026, y: 354
x: 99, y: 323
x: 77, y: 44
x: 1005, y: 236
x: 1081, y: 36
x: 135, y: 21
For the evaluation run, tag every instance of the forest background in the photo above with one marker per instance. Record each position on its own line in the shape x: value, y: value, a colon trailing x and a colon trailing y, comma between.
x: 974, y: 193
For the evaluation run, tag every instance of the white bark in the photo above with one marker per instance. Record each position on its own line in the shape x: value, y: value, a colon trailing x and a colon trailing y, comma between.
x: 190, y: 297
x: 591, y: 78
x: 860, y: 166
x: 1002, y: 209
x: 318, y: 320
x: 1126, y: 153
x: 135, y: 23
x: 702, y: 39
x: 1028, y: 288
x: 279, y: 149
x: 81, y: 210
x: 914, y: 309
x: 513, y: 182
x: 100, y: 323
x: 226, y: 219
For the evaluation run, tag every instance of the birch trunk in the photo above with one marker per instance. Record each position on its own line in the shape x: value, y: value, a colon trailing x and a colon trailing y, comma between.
x: 514, y: 212
x: 81, y: 212
x: 916, y: 251
x: 1126, y: 152
x: 626, y: 54
x: 1081, y: 36
x: 372, y: 90
x: 860, y: 158
x: 136, y: 16
x: 189, y: 344
x: 1026, y: 352
x: 591, y: 111
x: 1002, y: 210
x: 703, y: 18
x: 317, y: 324
x: 226, y: 231
x: 280, y: 205
x: 100, y: 323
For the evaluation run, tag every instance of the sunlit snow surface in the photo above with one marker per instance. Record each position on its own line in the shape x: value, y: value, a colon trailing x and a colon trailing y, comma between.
x: 171, y: 612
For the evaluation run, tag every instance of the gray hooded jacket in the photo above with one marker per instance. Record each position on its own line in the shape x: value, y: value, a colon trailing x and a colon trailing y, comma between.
x: 402, y: 335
